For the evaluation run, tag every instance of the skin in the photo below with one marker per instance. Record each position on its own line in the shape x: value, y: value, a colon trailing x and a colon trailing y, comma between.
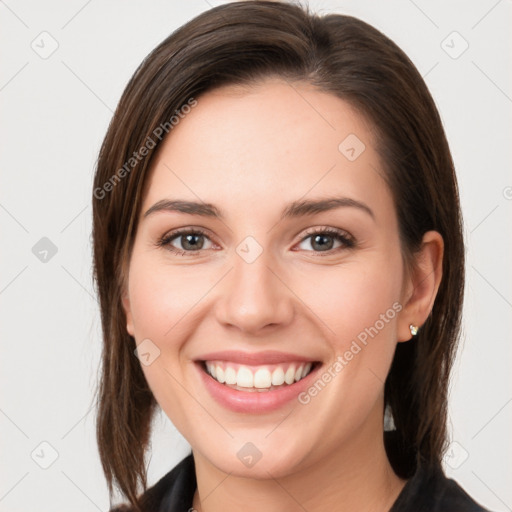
x: 250, y: 152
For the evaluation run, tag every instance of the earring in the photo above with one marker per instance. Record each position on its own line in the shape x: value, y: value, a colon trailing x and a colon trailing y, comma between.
x: 414, y: 329
x: 389, y: 422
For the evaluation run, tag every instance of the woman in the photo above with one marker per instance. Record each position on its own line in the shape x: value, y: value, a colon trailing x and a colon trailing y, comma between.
x: 280, y: 263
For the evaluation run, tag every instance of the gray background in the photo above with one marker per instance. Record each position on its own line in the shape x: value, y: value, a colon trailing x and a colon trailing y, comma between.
x: 55, y: 111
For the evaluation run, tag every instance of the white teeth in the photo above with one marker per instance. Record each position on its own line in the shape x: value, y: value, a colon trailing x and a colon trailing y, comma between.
x: 244, y: 379
x: 262, y: 378
x: 307, y: 369
x: 278, y: 376
x: 230, y: 375
x: 289, y: 376
x: 219, y: 374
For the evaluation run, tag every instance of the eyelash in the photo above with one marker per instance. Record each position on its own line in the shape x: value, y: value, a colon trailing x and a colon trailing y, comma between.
x: 347, y: 241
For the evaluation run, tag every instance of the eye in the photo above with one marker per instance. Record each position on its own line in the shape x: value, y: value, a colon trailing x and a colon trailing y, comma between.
x: 191, y: 241
x: 324, y: 239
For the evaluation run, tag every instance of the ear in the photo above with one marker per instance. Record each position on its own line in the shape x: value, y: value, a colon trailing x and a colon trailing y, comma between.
x: 125, y: 300
x: 422, y: 283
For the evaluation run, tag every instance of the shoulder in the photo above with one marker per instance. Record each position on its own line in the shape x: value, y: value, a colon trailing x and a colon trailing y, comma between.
x: 174, y: 491
x: 429, y: 490
x: 455, y: 497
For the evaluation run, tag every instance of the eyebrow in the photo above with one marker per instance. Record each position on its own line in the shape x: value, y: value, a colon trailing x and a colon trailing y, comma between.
x: 295, y: 209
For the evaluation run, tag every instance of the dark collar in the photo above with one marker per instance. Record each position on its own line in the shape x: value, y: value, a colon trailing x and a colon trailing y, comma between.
x: 428, y: 490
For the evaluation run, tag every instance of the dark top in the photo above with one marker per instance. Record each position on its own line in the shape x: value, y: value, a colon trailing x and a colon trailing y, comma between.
x: 427, y: 491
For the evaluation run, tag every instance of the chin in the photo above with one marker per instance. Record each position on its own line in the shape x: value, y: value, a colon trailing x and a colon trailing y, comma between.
x: 257, y: 460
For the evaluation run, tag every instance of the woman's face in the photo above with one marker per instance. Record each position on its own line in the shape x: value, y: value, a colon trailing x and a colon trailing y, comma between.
x: 263, y: 294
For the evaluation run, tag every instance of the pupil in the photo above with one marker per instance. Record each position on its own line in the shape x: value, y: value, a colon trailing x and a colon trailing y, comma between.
x: 191, y: 244
x: 323, y: 243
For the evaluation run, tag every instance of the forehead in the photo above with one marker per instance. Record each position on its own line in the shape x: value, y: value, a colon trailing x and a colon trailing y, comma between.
x: 274, y: 142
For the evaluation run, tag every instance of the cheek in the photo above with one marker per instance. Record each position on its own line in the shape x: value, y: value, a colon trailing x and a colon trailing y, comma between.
x: 351, y: 302
x: 359, y: 309
x: 161, y: 298
x: 162, y: 301
x: 359, y: 312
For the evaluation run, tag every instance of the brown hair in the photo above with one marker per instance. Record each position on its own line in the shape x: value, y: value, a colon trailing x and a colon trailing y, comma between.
x: 242, y: 43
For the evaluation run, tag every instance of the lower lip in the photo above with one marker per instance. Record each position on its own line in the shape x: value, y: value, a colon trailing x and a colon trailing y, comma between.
x: 254, y: 401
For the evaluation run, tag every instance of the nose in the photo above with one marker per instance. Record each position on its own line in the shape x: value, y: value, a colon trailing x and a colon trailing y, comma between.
x: 254, y: 296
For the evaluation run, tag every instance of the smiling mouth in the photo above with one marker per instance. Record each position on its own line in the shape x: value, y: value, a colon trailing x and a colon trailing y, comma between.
x: 258, y: 378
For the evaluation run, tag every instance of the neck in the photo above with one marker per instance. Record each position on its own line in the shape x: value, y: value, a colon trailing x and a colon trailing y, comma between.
x: 357, y: 476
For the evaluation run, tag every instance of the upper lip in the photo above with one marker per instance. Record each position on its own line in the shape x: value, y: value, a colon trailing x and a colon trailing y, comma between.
x: 254, y: 358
